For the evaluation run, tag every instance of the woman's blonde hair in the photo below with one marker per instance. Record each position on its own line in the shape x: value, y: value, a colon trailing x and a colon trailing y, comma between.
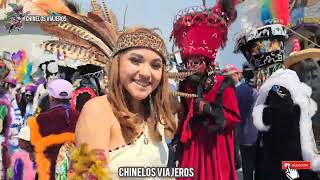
x: 159, y: 107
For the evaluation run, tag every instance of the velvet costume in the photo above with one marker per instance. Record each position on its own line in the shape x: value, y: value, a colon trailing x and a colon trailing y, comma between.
x: 205, y: 134
x: 286, y: 124
x: 211, y: 153
x: 49, y: 131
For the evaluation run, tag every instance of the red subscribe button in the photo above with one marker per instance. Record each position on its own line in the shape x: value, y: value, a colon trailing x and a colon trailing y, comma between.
x: 296, y: 164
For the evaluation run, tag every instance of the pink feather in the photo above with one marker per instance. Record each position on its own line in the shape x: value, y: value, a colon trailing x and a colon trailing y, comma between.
x: 28, y: 171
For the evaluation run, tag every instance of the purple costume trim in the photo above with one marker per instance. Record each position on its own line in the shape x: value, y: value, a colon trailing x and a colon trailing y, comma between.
x: 18, y: 170
x: 4, y: 144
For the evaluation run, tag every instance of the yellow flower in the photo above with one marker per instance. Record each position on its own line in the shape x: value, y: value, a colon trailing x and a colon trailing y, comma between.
x: 85, y: 164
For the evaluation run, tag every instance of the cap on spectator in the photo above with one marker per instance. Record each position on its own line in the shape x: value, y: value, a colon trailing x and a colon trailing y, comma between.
x: 24, y: 133
x: 60, y: 89
x: 230, y: 69
x: 30, y: 89
x: 246, y: 67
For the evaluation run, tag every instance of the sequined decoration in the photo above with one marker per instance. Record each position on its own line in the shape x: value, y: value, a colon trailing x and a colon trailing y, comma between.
x: 276, y: 88
x: 265, y: 73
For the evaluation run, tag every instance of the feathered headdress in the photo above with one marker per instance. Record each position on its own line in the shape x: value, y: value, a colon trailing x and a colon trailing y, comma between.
x: 275, y: 10
x: 90, y: 39
x: 80, y: 97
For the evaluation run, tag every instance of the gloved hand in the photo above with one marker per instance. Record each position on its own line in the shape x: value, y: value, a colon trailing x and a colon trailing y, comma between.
x: 280, y: 98
x: 201, y: 107
x: 176, y: 145
x: 195, y: 78
x: 218, y: 116
x: 215, y: 111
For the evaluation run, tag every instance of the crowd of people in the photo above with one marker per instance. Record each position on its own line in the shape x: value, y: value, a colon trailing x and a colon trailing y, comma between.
x: 122, y: 108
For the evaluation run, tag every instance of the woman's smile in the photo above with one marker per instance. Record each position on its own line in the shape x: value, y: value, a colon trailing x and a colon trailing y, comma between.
x: 142, y: 83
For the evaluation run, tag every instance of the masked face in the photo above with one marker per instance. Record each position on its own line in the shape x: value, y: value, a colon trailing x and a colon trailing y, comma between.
x: 264, y: 46
x: 196, y: 64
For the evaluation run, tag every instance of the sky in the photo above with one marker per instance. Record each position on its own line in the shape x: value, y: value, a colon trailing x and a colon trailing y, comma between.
x: 160, y: 14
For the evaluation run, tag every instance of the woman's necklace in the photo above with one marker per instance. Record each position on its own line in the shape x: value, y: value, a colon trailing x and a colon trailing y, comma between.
x: 146, y: 139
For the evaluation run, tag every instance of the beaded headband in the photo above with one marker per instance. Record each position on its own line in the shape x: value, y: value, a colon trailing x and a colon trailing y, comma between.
x: 142, y: 38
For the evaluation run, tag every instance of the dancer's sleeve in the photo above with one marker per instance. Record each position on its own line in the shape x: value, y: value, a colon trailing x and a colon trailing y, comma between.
x: 230, y: 107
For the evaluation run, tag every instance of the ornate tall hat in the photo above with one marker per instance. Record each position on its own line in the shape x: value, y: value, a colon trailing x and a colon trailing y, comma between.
x: 263, y: 45
x: 199, y: 31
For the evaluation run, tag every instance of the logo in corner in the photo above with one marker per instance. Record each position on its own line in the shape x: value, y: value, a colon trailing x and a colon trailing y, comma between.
x: 14, y: 18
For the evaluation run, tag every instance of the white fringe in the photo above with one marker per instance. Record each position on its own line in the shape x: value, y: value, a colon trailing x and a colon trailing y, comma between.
x: 301, y: 95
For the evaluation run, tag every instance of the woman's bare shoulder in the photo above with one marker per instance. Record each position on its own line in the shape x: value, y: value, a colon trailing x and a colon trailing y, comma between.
x: 94, y: 124
x: 98, y: 109
x: 99, y: 102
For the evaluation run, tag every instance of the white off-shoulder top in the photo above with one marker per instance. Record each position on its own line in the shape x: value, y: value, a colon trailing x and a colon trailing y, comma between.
x: 139, y: 154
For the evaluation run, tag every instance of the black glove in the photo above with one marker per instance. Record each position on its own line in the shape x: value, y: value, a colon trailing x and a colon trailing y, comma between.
x: 201, y: 107
x: 279, y: 106
x: 218, y: 116
x: 195, y: 78
x: 215, y: 111
x: 176, y: 147
x: 280, y: 98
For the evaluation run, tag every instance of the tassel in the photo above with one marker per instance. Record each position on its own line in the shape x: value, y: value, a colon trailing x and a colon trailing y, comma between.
x: 186, y: 132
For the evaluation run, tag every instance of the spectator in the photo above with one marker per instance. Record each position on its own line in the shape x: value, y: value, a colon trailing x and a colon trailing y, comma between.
x: 233, y: 72
x: 29, y: 109
x: 24, y: 166
x: 248, y: 134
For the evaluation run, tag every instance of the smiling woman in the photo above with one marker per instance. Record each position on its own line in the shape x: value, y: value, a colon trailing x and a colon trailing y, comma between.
x: 130, y: 123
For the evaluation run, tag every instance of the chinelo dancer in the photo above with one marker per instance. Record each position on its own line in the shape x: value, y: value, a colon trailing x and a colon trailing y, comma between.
x: 284, y: 107
x: 205, y: 137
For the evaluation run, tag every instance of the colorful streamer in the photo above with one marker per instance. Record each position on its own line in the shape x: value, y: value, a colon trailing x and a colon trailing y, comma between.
x: 22, y: 67
x: 275, y: 10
